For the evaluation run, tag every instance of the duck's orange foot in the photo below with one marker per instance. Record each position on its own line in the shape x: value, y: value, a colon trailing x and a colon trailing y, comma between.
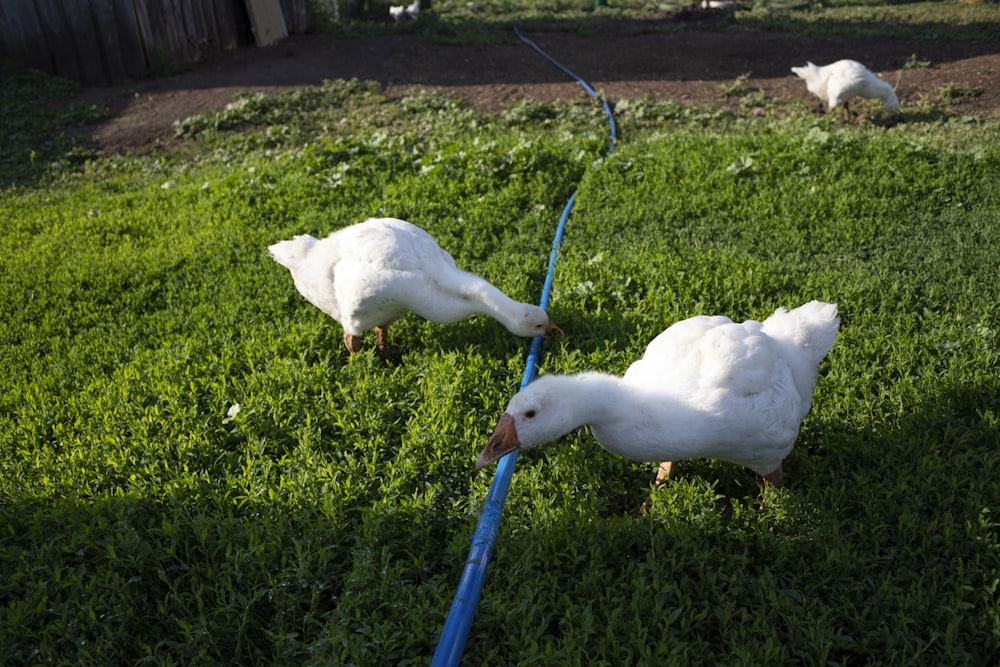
x: 666, y: 471
x: 663, y: 475
x: 382, y: 343
x: 353, y: 343
x: 773, y: 478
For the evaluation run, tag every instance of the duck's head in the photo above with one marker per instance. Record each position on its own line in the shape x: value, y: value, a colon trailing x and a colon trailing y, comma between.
x: 531, y: 321
x: 541, y: 412
x: 892, y: 104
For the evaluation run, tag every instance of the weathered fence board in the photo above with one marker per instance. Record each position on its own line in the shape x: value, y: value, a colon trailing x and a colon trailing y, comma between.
x: 129, y: 43
x: 234, y: 27
x: 296, y: 15
x: 99, y: 42
x: 107, y: 40
x: 89, y: 48
x: 59, y: 35
x: 268, y: 21
x: 17, y: 20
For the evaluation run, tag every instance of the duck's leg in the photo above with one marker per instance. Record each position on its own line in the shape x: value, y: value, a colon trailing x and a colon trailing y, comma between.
x: 382, y: 342
x: 773, y: 478
x: 847, y: 113
x: 352, y: 342
x: 666, y: 471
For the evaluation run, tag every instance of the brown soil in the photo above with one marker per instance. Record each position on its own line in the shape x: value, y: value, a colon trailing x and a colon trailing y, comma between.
x: 624, y: 59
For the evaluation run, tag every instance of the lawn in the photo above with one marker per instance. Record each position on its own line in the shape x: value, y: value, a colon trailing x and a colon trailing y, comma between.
x: 193, y: 470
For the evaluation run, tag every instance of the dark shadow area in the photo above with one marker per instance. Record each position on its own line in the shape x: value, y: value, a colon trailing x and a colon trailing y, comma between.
x: 873, y: 521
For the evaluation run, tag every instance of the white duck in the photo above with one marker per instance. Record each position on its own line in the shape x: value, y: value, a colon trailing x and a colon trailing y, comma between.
x: 843, y: 80
x: 403, y: 12
x: 370, y: 274
x: 706, y: 387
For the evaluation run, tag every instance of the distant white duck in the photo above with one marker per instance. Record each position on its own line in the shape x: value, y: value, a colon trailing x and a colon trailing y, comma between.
x: 706, y: 387
x: 404, y: 12
x: 843, y: 80
x: 370, y: 274
x: 725, y: 5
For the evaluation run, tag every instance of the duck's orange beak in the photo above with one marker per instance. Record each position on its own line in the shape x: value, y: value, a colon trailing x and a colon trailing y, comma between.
x: 553, y: 331
x: 503, y: 441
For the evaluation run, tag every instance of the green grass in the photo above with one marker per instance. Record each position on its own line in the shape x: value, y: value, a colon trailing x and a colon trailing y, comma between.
x: 36, y: 114
x: 932, y: 21
x: 490, y: 21
x: 326, y: 521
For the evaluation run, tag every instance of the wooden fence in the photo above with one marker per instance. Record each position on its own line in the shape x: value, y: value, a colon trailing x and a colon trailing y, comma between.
x: 102, y: 42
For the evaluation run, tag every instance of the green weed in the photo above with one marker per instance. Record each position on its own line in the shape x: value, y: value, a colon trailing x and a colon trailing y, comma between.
x: 195, y: 471
x: 737, y: 88
x: 946, y: 21
x: 37, y: 113
x: 915, y: 63
x: 953, y: 91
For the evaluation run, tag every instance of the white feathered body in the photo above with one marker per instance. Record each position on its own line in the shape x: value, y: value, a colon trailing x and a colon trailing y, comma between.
x: 843, y: 80
x: 401, y: 12
x: 706, y: 387
x: 372, y: 273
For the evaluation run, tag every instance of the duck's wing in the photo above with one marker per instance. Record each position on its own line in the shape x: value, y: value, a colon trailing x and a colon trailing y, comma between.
x: 669, y: 358
x: 711, y: 356
x: 846, y: 80
x: 389, y: 267
x: 369, y: 268
x: 425, y: 276
x: 389, y: 244
x: 738, y: 359
x: 731, y: 376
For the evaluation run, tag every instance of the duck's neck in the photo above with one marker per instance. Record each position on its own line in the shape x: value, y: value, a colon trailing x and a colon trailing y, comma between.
x: 634, y: 423
x: 486, y: 299
x: 885, y: 91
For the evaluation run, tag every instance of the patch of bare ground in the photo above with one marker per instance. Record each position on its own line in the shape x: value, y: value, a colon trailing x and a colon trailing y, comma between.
x: 624, y: 59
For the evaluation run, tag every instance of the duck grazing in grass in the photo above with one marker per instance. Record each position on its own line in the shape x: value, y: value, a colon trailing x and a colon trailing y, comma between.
x: 838, y: 83
x: 370, y: 274
x: 706, y: 387
x: 405, y: 12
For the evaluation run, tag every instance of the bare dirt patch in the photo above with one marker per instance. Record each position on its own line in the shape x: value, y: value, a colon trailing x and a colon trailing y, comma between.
x: 624, y: 59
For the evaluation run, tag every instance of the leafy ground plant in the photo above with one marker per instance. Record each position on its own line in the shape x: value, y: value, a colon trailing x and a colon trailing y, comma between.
x: 194, y: 471
x: 948, y: 21
x: 36, y: 112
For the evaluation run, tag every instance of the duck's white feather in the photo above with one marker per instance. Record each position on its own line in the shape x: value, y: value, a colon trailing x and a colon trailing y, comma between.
x: 843, y: 80
x: 401, y: 12
x: 705, y: 387
x: 372, y: 273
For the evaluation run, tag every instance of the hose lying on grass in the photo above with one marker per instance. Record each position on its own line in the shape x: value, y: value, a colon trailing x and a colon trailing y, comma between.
x: 451, y: 643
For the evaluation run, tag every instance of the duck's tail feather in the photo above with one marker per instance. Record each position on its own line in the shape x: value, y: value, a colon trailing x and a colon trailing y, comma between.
x: 290, y: 253
x: 811, y: 327
x: 807, y: 333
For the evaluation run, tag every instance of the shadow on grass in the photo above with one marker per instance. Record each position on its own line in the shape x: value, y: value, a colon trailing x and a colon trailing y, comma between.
x: 884, y: 540
x: 879, y: 539
x: 36, y: 111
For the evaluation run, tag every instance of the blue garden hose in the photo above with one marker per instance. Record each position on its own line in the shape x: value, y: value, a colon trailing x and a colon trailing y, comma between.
x: 590, y: 91
x: 451, y: 643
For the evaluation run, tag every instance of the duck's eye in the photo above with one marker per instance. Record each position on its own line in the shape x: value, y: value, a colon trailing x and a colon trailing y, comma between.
x: 530, y: 413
